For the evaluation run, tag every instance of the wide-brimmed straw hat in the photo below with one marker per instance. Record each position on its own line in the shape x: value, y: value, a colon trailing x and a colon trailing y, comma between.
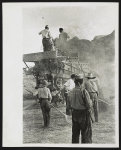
x: 90, y: 76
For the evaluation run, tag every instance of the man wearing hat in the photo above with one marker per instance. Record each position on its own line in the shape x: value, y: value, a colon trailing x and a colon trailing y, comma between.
x: 81, y: 104
x: 47, y: 39
x: 91, y: 87
x: 44, y: 96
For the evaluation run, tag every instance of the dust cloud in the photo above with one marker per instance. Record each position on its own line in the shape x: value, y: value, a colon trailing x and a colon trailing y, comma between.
x: 99, y: 53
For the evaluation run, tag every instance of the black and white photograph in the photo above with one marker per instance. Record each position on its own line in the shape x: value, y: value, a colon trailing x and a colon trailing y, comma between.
x: 60, y: 74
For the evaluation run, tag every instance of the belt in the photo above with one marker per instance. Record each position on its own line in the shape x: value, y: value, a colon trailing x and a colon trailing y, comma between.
x: 46, y: 38
x: 43, y: 98
x: 78, y: 110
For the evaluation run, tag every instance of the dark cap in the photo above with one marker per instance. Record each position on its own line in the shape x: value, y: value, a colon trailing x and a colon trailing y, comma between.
x: 46, y: 27
x: 79, y: 79
x: 60, y: 29
x: 73, y: 76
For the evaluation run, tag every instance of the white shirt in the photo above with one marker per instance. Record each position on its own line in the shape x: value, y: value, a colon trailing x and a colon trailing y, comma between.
x: 45, y: 33
x: 69, y: 84
x: 43, y: 93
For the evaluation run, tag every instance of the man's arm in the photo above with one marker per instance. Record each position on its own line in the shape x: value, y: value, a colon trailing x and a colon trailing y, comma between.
x: 86, y: 85
x: 67, y: 85
x: 40, y: 32
x: 88, y: 101
x: 49, y: 95
x: 70, y: 95
x: 49, y: 35
x: 88, y: 105
x: 35, y: 93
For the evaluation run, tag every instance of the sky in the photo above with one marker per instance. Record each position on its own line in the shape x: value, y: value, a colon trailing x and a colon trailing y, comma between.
x: 85, y: 21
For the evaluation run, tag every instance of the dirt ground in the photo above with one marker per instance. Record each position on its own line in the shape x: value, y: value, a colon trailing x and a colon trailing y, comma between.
x: 59, y: 130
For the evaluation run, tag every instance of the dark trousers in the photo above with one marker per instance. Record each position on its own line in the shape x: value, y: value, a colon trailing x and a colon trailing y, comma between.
x: 81, y: 122
x: 44, y: 103
x: 47, y: 44
x: 68, y: 111
x: 93, y: 96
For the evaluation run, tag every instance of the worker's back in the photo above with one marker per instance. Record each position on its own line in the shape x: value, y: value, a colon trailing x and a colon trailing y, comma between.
x: 45, y: 33
x: 63, y: 36
x: 44, y: 92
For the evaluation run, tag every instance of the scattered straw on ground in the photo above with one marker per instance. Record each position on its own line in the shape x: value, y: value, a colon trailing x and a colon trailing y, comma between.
x: 59, y: 130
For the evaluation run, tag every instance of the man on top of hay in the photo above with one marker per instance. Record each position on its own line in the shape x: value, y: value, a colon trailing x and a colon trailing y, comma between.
x: 47, y: 40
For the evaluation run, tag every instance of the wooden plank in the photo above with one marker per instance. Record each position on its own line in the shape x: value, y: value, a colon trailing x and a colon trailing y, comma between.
x: 33, y: 57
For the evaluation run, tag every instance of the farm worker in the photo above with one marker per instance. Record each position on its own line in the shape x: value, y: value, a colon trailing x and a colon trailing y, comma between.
x: 63, y: 36
x: 47, y: 39
x: 81, y: 105
x: 45, y: 98
x: 91, y: 87
x: 68, y: 86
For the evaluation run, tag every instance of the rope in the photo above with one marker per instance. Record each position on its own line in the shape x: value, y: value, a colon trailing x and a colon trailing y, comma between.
x: 26, y: 65
x: 104, y: 102
x: 51, y: 105
x: 29, y: 91
x: 62, y: 114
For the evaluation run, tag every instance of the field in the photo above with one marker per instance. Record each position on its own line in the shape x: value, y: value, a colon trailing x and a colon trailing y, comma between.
x: 59, y: 130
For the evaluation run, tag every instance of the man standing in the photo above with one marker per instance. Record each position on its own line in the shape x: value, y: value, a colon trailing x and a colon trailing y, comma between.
x: 63, y: 36
x: 81, y: 105
x: 91, y: 87
x: 44, y: 96
x: 47, y: 39
x: 68, y: 86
